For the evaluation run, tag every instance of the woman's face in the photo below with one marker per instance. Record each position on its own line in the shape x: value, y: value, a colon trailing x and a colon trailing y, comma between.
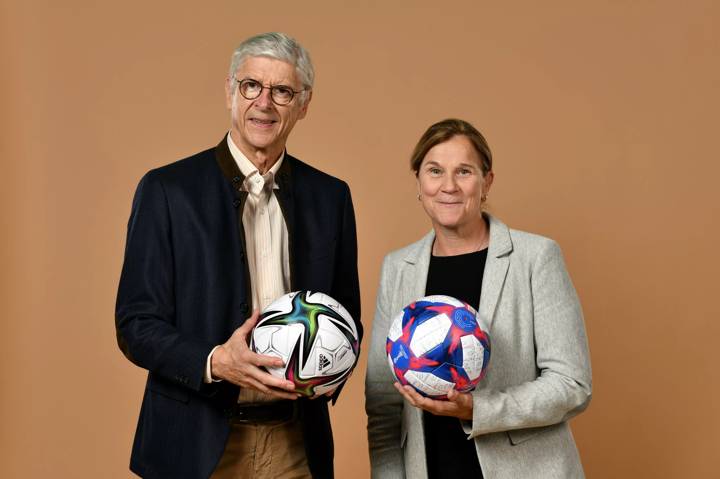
x: 451, y: 183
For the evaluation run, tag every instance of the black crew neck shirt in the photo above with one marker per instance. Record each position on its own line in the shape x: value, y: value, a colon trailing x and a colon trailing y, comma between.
x: 450, y: 454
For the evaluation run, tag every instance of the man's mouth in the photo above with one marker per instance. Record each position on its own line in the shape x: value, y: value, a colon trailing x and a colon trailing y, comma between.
x: 262, y: 122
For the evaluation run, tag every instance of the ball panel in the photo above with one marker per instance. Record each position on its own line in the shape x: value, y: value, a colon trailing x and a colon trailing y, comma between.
x: 432, y: 342
x: 331, y: 352
x: 261, y: 338
x: 428, y: 383
x: 396, y: 328
x: 392, y: 368
x: 473, y: 354
x: 442, y: 299
x: 314, y: 335
x: 429, y: 334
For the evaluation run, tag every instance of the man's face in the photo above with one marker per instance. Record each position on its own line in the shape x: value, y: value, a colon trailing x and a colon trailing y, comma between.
x: 259, y: 125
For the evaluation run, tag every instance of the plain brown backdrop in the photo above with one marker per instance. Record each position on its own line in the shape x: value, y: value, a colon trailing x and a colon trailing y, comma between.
x: 602, y: 117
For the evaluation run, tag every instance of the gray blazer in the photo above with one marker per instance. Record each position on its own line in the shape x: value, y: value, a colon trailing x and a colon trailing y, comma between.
x: 539, y: 371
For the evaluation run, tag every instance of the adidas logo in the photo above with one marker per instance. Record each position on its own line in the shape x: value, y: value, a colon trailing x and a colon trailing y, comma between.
x: 324, y: 362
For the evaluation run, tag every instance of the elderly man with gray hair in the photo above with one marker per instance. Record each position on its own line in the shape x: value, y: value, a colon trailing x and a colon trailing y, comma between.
x: 211, y: 240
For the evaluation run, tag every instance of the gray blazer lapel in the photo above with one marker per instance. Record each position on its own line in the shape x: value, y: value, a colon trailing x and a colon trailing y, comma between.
x: 412, y: 288
x: 417, y: 260
x: 496, y: 268
x: 418, y: 263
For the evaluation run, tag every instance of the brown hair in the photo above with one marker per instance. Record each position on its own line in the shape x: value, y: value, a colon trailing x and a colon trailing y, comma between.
x: 444, y: 130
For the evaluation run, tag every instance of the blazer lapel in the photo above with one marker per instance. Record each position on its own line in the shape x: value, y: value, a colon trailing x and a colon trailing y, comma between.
x: 418, y: 261
x: 231, y: 172
x: 286, y: 198
x: 496, y: 268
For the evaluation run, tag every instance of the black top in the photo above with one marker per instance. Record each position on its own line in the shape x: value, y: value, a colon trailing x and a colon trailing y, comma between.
x: 449, y: 453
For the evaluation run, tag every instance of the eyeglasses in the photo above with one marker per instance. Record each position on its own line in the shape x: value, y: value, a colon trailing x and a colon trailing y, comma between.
x: 280, y: 94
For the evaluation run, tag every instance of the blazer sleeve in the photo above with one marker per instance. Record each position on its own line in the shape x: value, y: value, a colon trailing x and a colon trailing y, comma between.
x: 346, y: 283
x: 563, y: 386
x: 346, y: 286
x: 383, y: 404
x: 145, y: 308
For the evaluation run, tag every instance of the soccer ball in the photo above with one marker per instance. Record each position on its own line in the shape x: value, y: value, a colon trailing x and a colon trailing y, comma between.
x: 315, y: 337
x: 436, y: 344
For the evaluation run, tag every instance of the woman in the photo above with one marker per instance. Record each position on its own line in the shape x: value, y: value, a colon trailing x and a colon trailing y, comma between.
x: 539, y: 371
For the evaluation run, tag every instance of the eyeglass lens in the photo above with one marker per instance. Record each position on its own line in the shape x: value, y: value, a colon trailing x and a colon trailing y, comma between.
x: 280, y: 94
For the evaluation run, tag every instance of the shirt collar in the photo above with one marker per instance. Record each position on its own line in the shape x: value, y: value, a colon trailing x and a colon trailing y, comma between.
x: 248, y: 169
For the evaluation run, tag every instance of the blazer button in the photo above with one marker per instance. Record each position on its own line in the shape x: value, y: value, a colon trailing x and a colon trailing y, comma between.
x: 244, y: 308
x: 236, y: 179
x: 236, y: 203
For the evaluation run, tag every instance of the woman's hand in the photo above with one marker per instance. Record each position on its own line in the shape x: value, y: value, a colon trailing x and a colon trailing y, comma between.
x: 459, y: 405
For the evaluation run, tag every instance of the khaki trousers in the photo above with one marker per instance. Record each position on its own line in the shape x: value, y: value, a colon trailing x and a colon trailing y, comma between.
x: 264, y: 451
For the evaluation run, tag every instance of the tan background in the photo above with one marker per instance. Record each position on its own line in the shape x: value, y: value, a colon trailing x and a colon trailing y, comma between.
x: 603, y: 121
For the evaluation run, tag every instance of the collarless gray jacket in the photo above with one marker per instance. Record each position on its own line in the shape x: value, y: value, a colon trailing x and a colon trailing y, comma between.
x: 538, y: 376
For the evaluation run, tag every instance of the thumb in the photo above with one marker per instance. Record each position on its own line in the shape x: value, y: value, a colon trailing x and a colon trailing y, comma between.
x: 249, y: 323
x: 454, y: 396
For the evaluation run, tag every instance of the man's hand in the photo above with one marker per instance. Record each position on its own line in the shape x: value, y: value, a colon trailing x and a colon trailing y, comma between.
x: 459, y: 405
x: 233, y: 361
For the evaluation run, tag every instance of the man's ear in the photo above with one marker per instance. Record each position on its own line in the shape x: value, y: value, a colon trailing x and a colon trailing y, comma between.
x: 303, y: 110
x: 229, y: 91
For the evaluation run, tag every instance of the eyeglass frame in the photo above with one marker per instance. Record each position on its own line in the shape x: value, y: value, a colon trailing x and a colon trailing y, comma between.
x: 270, y: 87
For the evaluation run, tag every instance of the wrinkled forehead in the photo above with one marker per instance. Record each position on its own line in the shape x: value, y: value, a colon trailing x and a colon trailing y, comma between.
x: 268, y: 70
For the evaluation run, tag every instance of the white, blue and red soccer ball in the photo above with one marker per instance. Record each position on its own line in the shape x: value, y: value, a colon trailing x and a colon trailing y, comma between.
x: 436, y: 344
x: 315, y: 337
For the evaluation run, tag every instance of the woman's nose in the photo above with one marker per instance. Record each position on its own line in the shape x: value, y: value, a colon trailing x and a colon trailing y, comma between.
x: 449, y: 184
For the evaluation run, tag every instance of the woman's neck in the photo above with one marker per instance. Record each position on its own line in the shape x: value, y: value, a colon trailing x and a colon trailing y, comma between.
x: 462, y: 240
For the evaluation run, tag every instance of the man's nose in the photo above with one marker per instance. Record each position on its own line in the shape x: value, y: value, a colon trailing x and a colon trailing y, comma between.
x: 265, y: 99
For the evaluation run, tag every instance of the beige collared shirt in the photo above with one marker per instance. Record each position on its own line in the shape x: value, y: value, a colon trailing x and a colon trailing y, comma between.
x: 266, y: 243
x: 266, y: 236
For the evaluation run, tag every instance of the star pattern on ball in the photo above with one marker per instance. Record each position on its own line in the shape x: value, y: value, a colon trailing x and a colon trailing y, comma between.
x: 306, y: 386
x: 307, y: 313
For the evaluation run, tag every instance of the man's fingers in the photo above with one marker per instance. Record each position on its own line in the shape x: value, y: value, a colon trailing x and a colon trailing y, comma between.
x: 271, y: 391
x: 267, y: 361
x: 282, y: 394
x: 255, y: 384
x: 249, y: 322
x: 269, y: 380
x: 252, y: 383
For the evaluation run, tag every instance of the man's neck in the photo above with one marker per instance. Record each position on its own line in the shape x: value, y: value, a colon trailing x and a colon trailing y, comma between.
x: 262, y: 158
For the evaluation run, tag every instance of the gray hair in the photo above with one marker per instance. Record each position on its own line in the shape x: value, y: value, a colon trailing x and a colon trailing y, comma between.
x: 280, y: 47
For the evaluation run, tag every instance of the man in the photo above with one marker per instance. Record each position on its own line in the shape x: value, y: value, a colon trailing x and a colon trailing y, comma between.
x: 212, y: 239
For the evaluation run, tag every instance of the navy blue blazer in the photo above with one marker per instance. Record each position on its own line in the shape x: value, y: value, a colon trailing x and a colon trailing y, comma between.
x: 185, y: 288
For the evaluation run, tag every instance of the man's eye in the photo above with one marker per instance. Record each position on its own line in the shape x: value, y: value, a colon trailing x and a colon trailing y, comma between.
x: 283, y: 91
